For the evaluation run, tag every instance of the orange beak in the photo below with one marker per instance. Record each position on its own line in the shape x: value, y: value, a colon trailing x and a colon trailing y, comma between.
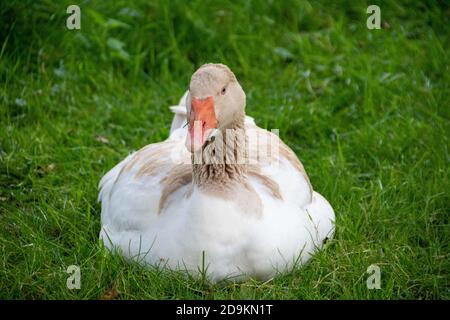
x: 202, y: 121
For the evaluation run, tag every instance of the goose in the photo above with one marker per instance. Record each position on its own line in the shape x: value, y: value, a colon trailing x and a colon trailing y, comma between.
x: 220, y: 196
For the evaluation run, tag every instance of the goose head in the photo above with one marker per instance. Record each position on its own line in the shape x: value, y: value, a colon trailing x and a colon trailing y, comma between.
x: 215, y: 102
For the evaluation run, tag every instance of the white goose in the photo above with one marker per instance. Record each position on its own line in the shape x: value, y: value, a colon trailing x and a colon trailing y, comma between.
x: 184, y: 204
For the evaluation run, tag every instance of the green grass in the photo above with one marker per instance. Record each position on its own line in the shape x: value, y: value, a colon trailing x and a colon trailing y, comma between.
x: 367, y: 112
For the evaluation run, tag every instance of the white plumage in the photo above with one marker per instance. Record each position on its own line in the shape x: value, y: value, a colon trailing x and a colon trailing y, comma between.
x: 196, y: 229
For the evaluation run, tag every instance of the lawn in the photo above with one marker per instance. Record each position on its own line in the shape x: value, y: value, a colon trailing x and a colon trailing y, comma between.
x: 366, y: 111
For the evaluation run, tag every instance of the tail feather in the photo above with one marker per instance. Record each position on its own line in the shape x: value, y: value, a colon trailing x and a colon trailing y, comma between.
x: 179, y: 118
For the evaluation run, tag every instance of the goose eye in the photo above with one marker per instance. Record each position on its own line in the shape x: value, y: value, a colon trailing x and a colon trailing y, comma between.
x: 224, y: 90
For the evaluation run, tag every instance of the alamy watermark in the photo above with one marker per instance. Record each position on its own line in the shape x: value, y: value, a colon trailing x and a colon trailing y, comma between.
x: 74, y: 280
x: 73, y: 22
x: 230, y: 146
x: 374, y: 20
x: 374, y: 279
